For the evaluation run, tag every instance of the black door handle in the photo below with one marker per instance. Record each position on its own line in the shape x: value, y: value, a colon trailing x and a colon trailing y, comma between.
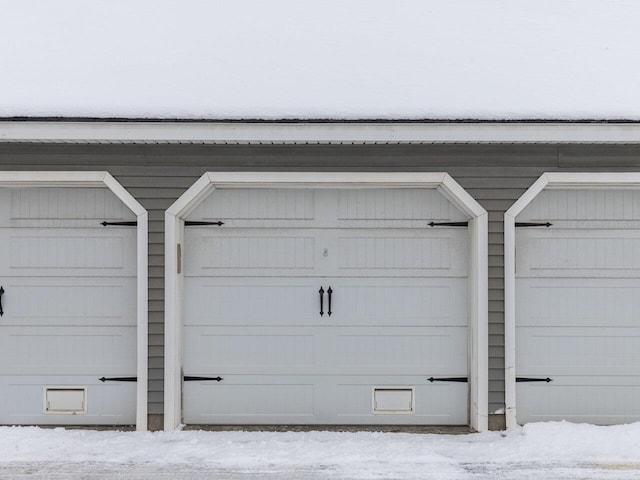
x: 329, y: 291
x: 1, y: 292
x: 321, y: 291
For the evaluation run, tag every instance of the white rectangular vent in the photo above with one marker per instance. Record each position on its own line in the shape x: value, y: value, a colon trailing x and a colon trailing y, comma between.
x: 393, y: 400
x: 65, y: 400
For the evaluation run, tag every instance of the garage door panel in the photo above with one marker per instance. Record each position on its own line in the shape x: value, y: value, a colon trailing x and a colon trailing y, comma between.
x: 236, y: 252
x: 69, y: 350
x: 436, y: 404
x: 290, y: 399
x: 357, y: 301
x: 60, y: 207
x: 249, y: 350
x: 45, y: 301
x: 433, y: 351
x: 106, y: 403
x: 68, y: 252
x: 385, y: 351
x: 257, y: 204
x: 430, y: 302
x: 279, y: 302
x: 599, y: 400
x: 578, y: 351
x: 566, y: 253
x: 250, y: 400
x: 584, y: 205
x: 372, y: 206
x: 578, y: 302
x: 435, y: 253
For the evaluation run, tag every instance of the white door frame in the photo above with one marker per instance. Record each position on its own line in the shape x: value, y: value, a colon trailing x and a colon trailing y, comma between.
x: 44, y: 179
x: 587, y: 180
x: 478, y: 261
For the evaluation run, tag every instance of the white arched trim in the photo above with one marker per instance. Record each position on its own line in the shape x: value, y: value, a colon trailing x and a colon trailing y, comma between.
x: 478, y: 258
x: 104, y: 179
x: 590, y: 180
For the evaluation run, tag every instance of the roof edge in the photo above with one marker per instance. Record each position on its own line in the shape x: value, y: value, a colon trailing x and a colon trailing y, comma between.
x: 316, y: 132
x: 314, y: 120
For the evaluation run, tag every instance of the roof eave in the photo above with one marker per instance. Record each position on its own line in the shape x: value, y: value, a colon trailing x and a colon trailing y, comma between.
x: 158, y: 131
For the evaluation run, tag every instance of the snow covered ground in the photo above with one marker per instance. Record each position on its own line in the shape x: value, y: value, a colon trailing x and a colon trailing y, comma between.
x: 536, y: 451
x: 221, y: 59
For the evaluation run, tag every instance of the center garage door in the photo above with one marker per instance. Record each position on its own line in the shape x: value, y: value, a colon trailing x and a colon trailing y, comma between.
x: 578, y: 306
x: 325, y: 306
x: 68, y: 312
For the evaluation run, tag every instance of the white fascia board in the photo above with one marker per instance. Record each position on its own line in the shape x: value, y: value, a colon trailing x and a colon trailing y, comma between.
x: 548, y: 180
x: 317, y: 132
x: 478, y: 296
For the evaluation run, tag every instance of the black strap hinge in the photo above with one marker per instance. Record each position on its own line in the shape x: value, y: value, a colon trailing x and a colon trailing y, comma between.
x: 532, y: 224
x: 448, y: 224
x: 527, y: 379
x: 118, y: 379
x: 191, y: 378
x: 193, y: 223
x: 120, y: 224
x: 449, y: 379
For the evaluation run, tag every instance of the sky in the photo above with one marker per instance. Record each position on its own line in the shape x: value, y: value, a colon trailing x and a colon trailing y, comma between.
x: 329, y: 59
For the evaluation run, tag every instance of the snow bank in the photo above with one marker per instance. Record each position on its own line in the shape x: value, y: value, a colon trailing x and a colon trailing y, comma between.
x: 219, y: 59
x: 358, y: 455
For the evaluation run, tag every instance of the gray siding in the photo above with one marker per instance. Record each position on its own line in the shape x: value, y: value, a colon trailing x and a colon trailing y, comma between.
x: 496, y: 175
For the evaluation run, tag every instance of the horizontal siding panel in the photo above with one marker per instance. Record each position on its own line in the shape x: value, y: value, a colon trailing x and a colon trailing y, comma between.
x: 156, y: 363
x: 496, y: 398
x: 496, y: 193
x: 496, y: 306
x: 155, y: 346
x: 496, y: 328
x: 496, y: 183
x: 496, y: 362
x: 156, y: 329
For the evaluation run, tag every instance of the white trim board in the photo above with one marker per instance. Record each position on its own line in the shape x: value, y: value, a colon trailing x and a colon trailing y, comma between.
x: 547, y: 180
x: 104, y: 179
x: 333, y: 132
x: 478, y: 258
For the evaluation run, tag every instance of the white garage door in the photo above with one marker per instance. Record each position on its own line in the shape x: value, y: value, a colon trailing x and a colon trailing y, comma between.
x: 324, y: 306
x: 68, y: 307
x: 577, y: 307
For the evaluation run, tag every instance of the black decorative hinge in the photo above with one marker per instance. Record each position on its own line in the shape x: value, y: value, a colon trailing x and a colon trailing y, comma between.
x: 118, y: 379
x: 449, y: 379
x: 448, y: 224
x: 527, y: 379
x: 191, y: 223
x: 190, y: 378
x: 120, y: 224
x: 532, y: 224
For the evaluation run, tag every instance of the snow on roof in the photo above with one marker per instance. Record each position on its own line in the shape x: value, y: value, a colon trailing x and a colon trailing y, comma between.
x: 322, y: 59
